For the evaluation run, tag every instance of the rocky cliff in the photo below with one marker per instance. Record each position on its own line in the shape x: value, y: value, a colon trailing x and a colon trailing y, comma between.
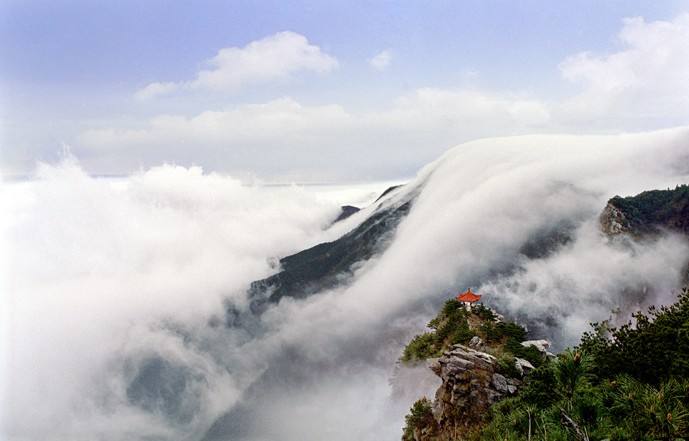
x: 648, y: 213
x: 484, y: 368
x: 471, y: 382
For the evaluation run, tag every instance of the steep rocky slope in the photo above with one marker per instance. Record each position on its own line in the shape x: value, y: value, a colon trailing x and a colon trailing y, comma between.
x: 471, y: 383
x: 483, y: 359
x: 647, y: 213
x: 329, y: 264
x: 345, y: 212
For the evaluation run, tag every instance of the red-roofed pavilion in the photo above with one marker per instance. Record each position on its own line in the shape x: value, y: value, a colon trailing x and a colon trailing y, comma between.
x: 468, y: 297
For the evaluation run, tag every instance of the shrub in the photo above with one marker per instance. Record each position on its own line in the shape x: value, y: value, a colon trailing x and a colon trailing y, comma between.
x: 620, y: 384
x: 653, y: 350
x: 449, y: 327
x: 484, y: 313
x: 419, y: 348
x: 530, y: 353
x: 539, y: 387
x: 497, y: 332
x: 506, y: 366
x: 512, y: 331
x: 419, y: 416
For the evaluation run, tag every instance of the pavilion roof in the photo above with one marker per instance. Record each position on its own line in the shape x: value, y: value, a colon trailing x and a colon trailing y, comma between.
x: 469, y: 296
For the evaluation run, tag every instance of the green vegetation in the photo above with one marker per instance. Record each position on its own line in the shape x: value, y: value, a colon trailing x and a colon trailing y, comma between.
x: 421, y: 415
x: 630, y: 383
x: 655, y: 349
x: 451, y: 326
x: 649, y: 210
x: 484, y: 313
x: 507, y: 367
x: 455, y: 325
x: 420, y: 347
x: 511, y: 336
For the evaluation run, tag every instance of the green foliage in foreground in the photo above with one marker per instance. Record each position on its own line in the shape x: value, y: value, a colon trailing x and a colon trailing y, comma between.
x: 656, y: 348
x: 630, y: 383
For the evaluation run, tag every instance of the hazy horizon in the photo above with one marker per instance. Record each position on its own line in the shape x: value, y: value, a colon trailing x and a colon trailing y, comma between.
x: 326, y: 93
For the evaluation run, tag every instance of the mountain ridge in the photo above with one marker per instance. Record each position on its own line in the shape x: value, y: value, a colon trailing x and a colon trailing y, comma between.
x: 328, y: 264
x: 648, y: 213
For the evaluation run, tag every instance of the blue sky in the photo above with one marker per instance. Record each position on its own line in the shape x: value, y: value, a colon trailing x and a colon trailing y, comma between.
x: 72, y: 69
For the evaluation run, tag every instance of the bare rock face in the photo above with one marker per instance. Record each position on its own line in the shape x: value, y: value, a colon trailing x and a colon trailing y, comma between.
x: 523, y: 366
x: 648, y: 214
x: 613, y: 221
x: 476, y: 343
x: 541, y: 345
x: 471, y: 383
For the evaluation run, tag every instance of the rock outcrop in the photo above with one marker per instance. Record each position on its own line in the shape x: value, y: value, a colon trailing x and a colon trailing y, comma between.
x: 541, y: 345
x: 613, y: 221
x: 472, y: 381
x: 648, y: 213
x: 479, y: 358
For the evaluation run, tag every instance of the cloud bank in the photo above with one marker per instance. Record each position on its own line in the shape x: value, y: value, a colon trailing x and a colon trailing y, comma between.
x: 118, y: 288
x: 387, y: 143
x: 96, y: 271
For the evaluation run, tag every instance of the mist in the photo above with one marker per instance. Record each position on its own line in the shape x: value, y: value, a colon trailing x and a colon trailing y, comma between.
x: 115, y: 291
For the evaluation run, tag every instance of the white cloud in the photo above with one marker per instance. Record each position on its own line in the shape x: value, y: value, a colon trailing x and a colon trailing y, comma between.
x: 381, y: 60
x: 464, y: 110
x: 285, y: 136
x: 155, y: 89
x: 105, y: 264
x: 168, y: 244
x: 271, y: 58
x: 645, y: 81
x: 251, y: 123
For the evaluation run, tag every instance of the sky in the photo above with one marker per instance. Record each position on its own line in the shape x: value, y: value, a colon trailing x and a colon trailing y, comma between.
x: 334, y: 91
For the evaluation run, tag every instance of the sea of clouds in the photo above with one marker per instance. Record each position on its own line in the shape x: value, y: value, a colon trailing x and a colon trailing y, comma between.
x: 115, y: 290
